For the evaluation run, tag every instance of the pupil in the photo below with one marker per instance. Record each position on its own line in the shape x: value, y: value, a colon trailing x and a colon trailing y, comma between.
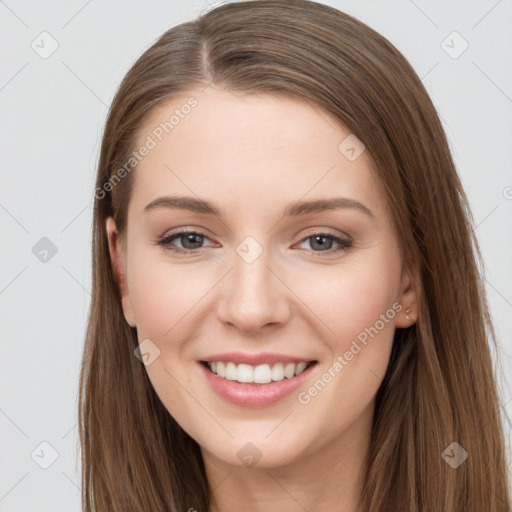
x: 321, y: 245
x: 190, y: 238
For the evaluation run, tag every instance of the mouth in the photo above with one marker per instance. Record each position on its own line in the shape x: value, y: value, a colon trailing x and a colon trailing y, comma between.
x: 257, y: 374
x: 256, y: 380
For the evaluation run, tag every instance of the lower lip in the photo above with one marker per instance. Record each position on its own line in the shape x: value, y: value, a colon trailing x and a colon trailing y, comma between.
x: 255, y: 395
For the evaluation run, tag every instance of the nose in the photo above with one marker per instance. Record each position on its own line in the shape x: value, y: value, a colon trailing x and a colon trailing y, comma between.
x: 253, y: 295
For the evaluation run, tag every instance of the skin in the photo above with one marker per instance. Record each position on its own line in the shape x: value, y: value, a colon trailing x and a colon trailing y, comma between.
x: 253, y: 155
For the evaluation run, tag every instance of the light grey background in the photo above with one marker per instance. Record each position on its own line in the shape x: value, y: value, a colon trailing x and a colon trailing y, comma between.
x: 52, y: 115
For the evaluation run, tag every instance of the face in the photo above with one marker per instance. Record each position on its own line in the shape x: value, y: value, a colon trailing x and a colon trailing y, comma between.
x: 250, y: 273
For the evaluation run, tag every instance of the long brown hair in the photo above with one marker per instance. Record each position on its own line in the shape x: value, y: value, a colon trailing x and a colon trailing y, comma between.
x: 439, y: 387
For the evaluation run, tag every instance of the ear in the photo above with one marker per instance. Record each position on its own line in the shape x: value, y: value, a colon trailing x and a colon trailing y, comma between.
x: 409, y: 297
x: 118, y: 265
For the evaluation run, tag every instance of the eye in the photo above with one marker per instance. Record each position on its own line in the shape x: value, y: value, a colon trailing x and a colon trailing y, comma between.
x: 323, y: 242
x: 191, y: 242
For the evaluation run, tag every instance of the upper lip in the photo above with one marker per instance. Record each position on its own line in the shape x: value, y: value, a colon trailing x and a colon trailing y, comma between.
x: 255, y: 359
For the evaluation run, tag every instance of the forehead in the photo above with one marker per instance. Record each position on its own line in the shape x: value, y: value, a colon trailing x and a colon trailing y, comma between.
x: 264, y: 149
x: 247, y: 122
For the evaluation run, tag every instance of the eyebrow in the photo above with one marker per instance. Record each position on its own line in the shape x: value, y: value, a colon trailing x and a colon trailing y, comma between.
x: 295, y: 209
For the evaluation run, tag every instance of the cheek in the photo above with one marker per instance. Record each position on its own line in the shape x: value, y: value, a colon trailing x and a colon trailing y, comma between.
x: 165, y: 298
x: 162, y: 294
x: 359, y: 309
x: 354, y: 297
x: 357, y: 306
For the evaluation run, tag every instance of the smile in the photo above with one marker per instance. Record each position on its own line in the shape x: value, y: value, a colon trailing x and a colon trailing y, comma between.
x: 260, y: 374
x: 256, y: 385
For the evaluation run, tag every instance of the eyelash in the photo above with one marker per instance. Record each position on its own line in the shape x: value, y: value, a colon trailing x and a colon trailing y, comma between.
x: 345, y: 245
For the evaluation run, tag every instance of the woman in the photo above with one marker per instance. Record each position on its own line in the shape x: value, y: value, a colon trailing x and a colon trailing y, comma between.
x: 287, y: 311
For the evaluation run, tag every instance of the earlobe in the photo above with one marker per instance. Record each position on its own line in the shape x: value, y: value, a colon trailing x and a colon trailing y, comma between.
x: 118, y: 267
x: 409, y: 298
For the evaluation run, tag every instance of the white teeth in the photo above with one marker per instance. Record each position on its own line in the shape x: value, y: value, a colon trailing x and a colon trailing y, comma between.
x: 244, y: 373
x: 221, y: 371
x: 277, y: 372
x: 230, y: 371
x: 300, y: 368
x: 289, y: 370
x: 261, y: 374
